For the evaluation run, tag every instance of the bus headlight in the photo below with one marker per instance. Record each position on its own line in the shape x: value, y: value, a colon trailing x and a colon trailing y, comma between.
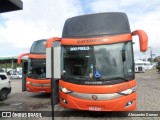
x: 28, y: 82
x: 128, y: 91
x: 64, y: 90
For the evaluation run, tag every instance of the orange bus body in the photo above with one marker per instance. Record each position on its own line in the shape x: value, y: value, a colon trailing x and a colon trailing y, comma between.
x: 36, y: 85
x: 84, y: 93
x: 115, y: 104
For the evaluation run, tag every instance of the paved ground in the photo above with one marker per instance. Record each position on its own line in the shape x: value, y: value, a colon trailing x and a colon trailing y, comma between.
x: 148, y: 99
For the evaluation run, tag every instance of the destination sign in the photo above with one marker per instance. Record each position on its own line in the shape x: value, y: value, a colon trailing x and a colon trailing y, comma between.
x: 79, y: 48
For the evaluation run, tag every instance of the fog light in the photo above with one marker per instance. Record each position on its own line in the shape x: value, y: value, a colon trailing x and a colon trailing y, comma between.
x: 129, y: 103
x: 64, y: 101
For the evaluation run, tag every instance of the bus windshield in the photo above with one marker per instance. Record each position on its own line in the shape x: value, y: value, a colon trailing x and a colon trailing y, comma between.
x: 37, y: 68
x: 38, y: 47
x: 98, y: 62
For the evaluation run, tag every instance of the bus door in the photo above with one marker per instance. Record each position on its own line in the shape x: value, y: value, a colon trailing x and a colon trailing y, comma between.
x: 24, y: 74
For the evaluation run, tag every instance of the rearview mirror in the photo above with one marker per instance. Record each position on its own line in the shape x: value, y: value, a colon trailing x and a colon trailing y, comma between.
x: 143, y: 39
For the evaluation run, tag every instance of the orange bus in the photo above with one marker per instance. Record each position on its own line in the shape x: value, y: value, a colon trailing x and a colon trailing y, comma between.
x: 97, y: 62
x: 34, y: 70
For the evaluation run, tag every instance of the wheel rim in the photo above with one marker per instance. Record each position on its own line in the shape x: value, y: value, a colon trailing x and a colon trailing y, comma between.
x: 3, y: 95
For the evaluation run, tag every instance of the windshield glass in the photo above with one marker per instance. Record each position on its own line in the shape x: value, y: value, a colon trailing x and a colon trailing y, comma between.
x: 99, y: 62
x: 37, y: 68
x: 110, y: 62
x: 77, y: 62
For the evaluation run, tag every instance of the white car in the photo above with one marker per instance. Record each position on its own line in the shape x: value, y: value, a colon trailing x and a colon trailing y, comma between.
x: 16, y: 76
x: 5, y: 86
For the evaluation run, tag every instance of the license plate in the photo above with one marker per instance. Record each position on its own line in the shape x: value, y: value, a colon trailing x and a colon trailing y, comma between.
x: 95, y: 108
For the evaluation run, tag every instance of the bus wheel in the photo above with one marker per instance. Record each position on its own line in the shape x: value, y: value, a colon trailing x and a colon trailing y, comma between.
x: 3, y: 94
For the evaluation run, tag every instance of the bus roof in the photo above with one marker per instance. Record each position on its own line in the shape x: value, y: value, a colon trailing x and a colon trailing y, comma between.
x: 98, y: 24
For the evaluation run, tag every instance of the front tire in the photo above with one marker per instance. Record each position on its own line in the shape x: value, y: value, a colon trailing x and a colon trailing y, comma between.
x: 3, y: 94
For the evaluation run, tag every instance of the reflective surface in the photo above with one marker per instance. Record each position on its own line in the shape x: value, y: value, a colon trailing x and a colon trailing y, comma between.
x: 39, y: 47
x: 37, y: 68
x: 100, y: 62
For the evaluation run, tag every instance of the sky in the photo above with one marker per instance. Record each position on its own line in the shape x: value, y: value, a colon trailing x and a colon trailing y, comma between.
x: 44, y: 19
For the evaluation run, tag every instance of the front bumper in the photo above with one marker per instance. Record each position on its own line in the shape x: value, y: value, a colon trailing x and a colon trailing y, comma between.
x: 31, y: 88
x: 117, y: 104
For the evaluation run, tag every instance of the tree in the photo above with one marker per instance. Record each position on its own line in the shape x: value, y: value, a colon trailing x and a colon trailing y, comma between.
x: 156, y: 59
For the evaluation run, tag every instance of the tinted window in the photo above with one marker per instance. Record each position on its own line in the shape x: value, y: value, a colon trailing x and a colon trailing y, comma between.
x: 38, y: 47
x: 3, y: 77
x: 99, y: 62
x: 78, y: 62
x: 37, y: 68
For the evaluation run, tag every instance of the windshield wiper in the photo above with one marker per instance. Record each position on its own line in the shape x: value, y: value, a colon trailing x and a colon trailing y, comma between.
x: 124, y: 52
x: 80, y: 77
x: 75, y: 77
x: 119, y: 78
x: 122, y: 78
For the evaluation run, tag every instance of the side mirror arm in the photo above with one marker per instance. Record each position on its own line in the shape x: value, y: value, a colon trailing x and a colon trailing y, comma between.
x: 20, y: 57
x: 143, y: 39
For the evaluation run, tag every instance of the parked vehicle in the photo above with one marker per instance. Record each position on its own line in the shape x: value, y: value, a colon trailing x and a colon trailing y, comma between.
x: 5, y: 86
x: 139, y: 66
x: 34, y: 69
x: 158, y: 66
x: 1, y: 70
x: 148, y: 65
x: 16, y: 76
x: 92, y: 65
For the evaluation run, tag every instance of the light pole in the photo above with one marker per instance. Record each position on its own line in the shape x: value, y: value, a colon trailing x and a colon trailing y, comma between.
x: 150, y: 53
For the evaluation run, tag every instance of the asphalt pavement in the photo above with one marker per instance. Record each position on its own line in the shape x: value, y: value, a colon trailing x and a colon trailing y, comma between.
x: 148, y: 99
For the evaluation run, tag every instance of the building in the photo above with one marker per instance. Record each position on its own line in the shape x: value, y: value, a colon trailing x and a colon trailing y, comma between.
x: 9, y: 63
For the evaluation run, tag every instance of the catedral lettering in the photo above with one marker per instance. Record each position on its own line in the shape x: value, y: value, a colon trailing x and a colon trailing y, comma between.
x: 34, y: 69
x: 90, y: 40
x: 101, y: 78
